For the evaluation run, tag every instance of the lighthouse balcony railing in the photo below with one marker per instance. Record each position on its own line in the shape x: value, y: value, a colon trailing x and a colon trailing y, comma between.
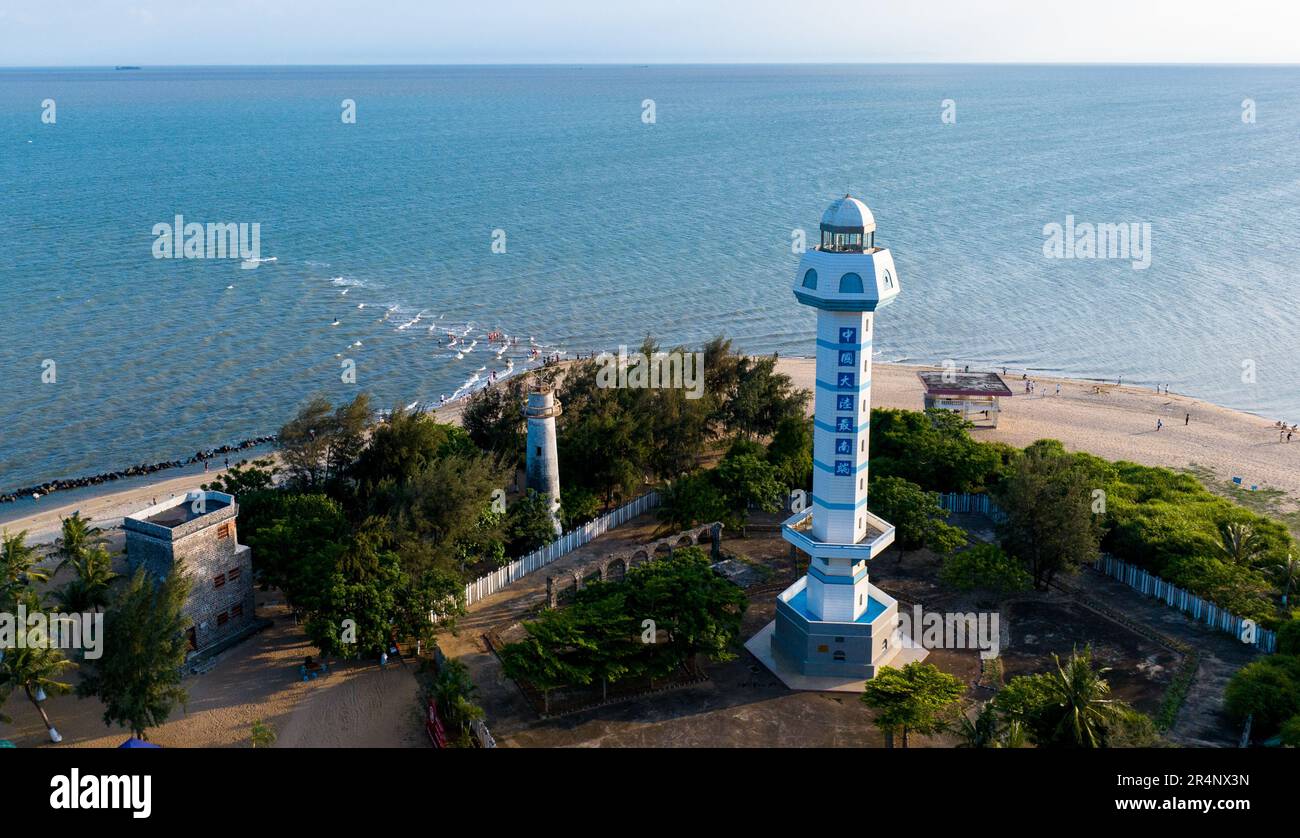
x: 797, y: 529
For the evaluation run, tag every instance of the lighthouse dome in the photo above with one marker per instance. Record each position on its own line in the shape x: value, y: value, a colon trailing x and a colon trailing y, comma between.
x: 848, y: 227
x: 848, y: 215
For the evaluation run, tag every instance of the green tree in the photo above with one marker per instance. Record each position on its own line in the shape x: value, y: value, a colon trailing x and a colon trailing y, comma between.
x: 138, y: 675
x: 245, y: 478
x: 762, y: 398
x: 1050, y: 523
x: 577, y: 506
x: 429, y: 601
x: 604, y: 444
x: 1070, y: 707
x: 493, y: 418
x: 442, y: 514
x: 78, y: 539
x: 918, y: 519
x: 304, y: 443
x: 453, y: 691
x: 934, y: 450
x: 550, y: 655
x: 745, y: 481
x: 297, y: 547
x: 34, y: 668
x: 1287, y: 572
x: 1082, y: 700
x: 1288, y: 638
x: 358, y: 608
x: 262, y: 734
x: 529, y: 524
x: 700, y: 611
x: 1290, y: 733
x: 790, y: 452
x: 919, y: 698
x: 1267, y: 690
x: 401, y: 449
x: 691, y: 499
x: 984, y: 566
x: 89, y: 589
x: 1240, y: 544
x: 18, y: 568
x: 983, y: 731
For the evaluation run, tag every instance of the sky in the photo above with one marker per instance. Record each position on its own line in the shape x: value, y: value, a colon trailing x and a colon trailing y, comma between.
x: 56, y: 33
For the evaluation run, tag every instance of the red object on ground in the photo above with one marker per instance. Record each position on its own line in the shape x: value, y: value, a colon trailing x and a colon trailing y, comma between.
x: 433, y: 726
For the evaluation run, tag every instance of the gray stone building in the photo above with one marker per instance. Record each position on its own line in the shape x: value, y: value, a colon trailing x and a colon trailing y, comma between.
x: 198, y: 530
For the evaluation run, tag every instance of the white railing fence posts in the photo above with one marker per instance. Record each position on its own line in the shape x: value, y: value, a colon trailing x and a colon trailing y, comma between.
x: 1136, y: 578
x: 487, y: 585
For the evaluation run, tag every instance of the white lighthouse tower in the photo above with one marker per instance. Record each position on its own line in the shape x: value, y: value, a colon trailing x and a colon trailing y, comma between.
x: 542, y: 458
x: 833, y: 628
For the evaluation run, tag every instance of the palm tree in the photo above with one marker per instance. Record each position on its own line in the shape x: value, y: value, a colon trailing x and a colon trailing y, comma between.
x: 34, y: 669
x: 17, y: 565
x: 1288, y: 570
x: 1240, y: 543
x: 982, y: 732
x: 89, y: 590
x: 1083, y: 699
x: 79, y: 538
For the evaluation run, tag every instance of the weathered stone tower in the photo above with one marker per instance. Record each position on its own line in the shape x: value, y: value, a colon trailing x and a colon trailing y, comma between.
x: 543, y: 459
x: 198, y: 530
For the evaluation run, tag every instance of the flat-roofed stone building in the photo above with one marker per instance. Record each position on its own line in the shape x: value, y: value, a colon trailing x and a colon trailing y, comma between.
x: 199, y: 531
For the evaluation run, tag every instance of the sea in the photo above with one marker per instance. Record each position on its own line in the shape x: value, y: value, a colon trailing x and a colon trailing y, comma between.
x: 570, y: 209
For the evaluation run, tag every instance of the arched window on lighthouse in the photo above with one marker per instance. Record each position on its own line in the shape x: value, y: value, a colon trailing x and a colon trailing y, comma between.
x: 850, y: 284
x: 810, y: 279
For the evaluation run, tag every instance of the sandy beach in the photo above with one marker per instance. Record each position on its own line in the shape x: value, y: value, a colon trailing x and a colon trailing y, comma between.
x: 1119, y: 423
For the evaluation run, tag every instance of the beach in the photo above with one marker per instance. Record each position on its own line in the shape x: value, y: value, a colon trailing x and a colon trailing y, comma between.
x: 1119, y: 423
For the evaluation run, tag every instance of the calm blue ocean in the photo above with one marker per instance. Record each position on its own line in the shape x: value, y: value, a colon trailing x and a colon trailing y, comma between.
x: 614, y: 229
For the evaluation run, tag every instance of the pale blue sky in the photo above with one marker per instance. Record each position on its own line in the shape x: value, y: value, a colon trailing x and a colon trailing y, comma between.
x: 154, y: 32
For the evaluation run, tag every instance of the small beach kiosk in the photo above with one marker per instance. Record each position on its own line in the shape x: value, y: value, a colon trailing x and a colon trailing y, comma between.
x: 974, y: 395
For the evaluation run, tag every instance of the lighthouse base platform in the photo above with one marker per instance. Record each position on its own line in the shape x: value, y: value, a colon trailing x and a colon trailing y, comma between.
x: 807, y: 653
x: 761, y: 647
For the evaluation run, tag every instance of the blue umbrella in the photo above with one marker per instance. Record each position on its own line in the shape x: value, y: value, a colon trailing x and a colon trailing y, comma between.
x: 138, y: 743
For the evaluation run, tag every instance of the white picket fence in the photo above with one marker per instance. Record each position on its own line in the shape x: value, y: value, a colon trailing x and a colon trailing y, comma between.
x: 1201, y: 610
x: 976, y: 503
x: 486, y: 586
x: 1142, y: 581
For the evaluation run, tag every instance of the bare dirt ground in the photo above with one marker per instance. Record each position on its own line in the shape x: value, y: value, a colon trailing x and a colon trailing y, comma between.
x: 743, y: 705
x: 356, y: 705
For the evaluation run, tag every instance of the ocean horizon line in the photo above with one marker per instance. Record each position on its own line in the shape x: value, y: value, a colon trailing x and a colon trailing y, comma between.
x: 674, y: 64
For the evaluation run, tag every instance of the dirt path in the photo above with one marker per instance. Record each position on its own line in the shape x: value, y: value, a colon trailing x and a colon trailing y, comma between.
x: 357, y: 705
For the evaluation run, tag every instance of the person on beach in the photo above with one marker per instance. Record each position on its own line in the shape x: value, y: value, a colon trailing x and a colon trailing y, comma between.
x: 1058, y: 388
x: 1160, y: 423
x: 1186, y: 419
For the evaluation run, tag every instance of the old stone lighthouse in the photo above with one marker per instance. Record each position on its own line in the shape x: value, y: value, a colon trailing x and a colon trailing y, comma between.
x: 833, y: 628
x: 543, y: 458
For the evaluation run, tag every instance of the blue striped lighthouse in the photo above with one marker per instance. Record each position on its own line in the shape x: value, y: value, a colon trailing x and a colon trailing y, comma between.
x: 833, y: 625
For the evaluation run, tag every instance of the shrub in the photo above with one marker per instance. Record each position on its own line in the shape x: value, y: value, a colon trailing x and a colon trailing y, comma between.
x: 985, y: 566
